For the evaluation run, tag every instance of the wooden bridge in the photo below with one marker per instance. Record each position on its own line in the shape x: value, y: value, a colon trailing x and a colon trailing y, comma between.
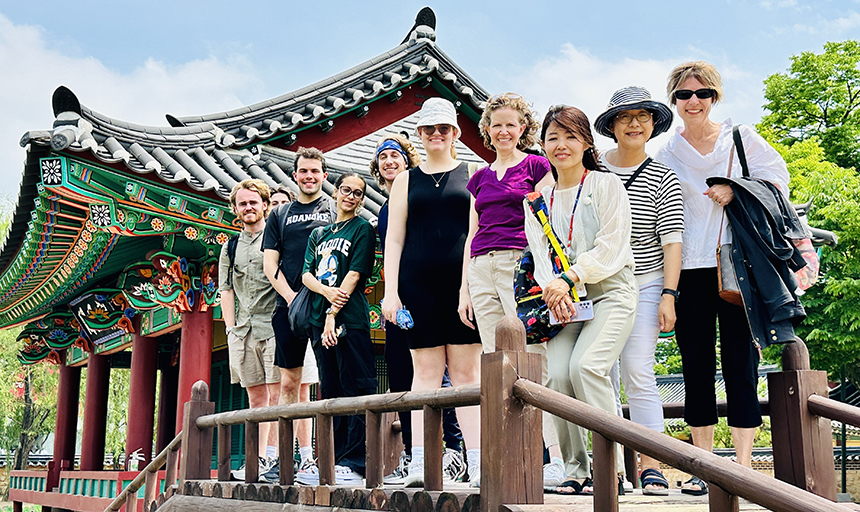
x: 511, y: 402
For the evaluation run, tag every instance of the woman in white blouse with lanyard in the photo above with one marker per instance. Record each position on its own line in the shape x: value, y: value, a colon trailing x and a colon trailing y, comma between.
x: 590, y: 214
x: 701, y: 149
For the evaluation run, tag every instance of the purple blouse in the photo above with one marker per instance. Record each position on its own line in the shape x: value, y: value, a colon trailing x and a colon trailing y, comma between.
x: 500, y: 204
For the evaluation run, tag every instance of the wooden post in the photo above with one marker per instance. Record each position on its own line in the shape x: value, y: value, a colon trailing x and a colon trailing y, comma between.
x: 95, y: 413
x: 252, y: 452
x: 66, y: 425
x: 511, y: 444
x: 631, y: 466
x: 150, y: 490
x: 325, y: 449
x: 196, y: 461
x: 285, y: 451
x: 224, y: 452
x: 170, y: 468
x: 433, y: 448
x: 195, y: 356
x: 141, y: 411
x: 806, y: 457
x: 374, y: 474
x: 721, y: 501
x: 605, y: 473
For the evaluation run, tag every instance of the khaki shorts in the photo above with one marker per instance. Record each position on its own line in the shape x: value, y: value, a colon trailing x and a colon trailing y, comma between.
x: 252, y: 362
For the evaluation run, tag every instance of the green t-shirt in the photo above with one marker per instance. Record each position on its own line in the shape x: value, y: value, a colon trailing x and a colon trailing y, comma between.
x: 330, y: 256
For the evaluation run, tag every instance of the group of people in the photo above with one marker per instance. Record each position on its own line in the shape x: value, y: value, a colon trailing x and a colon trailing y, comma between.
x: 639, y: 233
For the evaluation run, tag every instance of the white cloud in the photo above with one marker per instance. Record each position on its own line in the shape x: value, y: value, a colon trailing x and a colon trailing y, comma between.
x: 576, y: 77
x: 34, y: 66
x: 768, y: 4
x: 847, y: 22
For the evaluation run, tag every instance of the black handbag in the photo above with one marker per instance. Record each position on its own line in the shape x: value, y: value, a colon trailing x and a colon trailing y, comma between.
x: 300, y: 314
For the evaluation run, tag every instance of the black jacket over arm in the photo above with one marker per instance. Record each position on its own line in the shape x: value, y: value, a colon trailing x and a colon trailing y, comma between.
x: 763, y: 225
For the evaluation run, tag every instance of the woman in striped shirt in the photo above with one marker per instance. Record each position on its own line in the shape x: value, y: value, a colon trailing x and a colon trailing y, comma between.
x: 657, y: 209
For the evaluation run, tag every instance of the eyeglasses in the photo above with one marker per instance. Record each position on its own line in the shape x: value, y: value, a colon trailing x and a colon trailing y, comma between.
x: 625, y: 118
x: 443, y: 129
x: 354, y: 192
x: 685, y: 94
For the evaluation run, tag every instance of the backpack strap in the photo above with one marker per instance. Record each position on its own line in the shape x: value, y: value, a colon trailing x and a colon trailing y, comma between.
x: 538, y: 207
x: 739, y: 144
x: 232, y: 243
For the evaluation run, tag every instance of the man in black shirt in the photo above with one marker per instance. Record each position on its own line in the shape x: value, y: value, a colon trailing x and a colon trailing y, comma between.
x: 284, y: 243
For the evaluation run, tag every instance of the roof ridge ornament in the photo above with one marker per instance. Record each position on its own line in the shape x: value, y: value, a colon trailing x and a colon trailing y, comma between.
x: 424, y: 27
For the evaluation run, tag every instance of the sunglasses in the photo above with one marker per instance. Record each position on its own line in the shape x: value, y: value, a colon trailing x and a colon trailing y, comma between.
x: 354, y: 192
x: 443, y: 129
x: 685, y: 94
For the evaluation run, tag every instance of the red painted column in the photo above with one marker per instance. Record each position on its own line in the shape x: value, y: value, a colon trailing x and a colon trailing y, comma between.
x: 66, y: 426
x: 95, y: 413
x: 141, y: 409
x: 195, y: 357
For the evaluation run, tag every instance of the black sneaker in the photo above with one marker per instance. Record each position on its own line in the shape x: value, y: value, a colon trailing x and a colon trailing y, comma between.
x: 273, y: 475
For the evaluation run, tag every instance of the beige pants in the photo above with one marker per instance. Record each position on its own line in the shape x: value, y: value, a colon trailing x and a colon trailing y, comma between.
x: 581, y: 356
x: 491, y: 287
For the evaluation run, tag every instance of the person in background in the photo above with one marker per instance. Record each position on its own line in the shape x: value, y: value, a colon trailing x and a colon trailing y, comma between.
x: 427, y: 228
x: 284, y: 243
x: 696, y: 151
x: 590, y: 214
x: 631, y: 119
x: 247, y: 303
x: 395, y: 154
x: 496, y: 237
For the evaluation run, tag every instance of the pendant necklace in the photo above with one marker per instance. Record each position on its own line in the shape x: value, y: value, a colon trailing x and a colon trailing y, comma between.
x: 337, y: 227
x: 441, y: 177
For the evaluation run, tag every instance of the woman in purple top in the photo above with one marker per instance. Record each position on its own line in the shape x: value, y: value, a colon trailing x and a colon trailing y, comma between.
x: 496, y: 236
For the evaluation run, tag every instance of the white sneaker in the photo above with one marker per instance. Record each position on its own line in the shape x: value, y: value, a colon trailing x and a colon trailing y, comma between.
x: 474, y: 461
x: 308, y: 473
x: 453, y: 466
x: 415, y: 473
x: 265, y: 465
x: 399, y: 474
x: 344, y: 475
x: 553, y: 474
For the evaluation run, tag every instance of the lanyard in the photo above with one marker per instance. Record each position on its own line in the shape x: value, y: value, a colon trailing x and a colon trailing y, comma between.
x: 575, y: 204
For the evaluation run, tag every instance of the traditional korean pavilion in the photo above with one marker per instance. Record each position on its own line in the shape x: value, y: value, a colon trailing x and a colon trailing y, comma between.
x: 111, y: 260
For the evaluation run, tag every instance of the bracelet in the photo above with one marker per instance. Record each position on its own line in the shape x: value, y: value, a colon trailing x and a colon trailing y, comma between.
x: 567, y: 280
x: 669, y: 291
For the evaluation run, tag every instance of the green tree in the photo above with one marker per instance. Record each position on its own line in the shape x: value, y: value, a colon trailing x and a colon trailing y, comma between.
x: 819, y: 97
x: 832, y: 327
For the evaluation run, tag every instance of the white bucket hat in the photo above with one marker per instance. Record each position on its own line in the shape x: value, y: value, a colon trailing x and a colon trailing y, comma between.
x: 438, y: 111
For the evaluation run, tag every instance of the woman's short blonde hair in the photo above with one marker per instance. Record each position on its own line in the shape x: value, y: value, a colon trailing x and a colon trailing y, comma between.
x: 702, y: 71
x: 413, y: 159
x: 527, y: 118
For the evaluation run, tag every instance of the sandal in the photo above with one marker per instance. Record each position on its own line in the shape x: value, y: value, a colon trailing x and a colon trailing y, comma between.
x: 654, y: 477
x: 571, y: 488
x: 701, y: 491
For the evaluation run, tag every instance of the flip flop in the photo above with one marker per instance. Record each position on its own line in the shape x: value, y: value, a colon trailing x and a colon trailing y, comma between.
x: 701, y: 491
x: 653, y: 476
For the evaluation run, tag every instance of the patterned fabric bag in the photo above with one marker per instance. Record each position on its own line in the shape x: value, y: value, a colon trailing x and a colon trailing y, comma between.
x: 531, y: 309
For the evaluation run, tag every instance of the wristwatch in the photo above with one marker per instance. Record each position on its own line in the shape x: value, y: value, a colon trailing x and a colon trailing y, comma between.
x: 331, y: 311
x: 669, y: 291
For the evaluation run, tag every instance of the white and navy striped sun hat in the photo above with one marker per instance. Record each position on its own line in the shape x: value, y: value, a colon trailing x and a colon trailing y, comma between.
x: 633, y: 98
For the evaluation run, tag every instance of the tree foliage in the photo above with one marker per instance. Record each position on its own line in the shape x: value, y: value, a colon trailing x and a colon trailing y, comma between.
x: 819, y: 97
x: 832, y: 327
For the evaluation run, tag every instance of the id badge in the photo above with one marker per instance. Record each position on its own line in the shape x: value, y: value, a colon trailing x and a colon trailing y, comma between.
x: 584, y: 311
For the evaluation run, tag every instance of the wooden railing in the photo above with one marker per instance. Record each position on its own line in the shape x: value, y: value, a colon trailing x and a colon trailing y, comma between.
x: 511, y: 401
x: 149, y: 477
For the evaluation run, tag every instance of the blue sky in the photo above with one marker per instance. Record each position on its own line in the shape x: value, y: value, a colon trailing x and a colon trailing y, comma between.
x: 136, y: 61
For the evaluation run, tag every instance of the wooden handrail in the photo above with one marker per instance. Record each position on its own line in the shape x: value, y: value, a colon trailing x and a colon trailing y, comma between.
x: 142, y: 478
x: 676, y: 409
x: 834, y: 410
x: 389, y: 402
x: 731, y: 477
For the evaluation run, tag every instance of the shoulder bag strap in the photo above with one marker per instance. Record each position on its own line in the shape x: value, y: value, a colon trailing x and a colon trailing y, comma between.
x: 722, y: 218
x: 636, y: 174
x: 739, y: 144
x: 535, y: 205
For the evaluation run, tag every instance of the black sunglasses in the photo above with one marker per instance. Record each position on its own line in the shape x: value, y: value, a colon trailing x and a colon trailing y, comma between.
x: 443, y: 129
x: 685, y: 94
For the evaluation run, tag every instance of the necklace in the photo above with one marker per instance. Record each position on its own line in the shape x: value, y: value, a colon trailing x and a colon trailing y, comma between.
x: 441, y: 177
x: 337, y: 227
x: 575, y: 204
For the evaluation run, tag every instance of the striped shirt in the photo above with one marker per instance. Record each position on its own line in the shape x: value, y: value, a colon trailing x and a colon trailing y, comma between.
x: 657, y: 209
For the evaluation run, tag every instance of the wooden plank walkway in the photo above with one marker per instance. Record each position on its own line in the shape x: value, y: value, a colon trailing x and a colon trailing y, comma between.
x: 457, y: 497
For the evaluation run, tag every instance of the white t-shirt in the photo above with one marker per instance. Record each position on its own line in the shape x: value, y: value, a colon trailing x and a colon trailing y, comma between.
x: 702, y: 216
